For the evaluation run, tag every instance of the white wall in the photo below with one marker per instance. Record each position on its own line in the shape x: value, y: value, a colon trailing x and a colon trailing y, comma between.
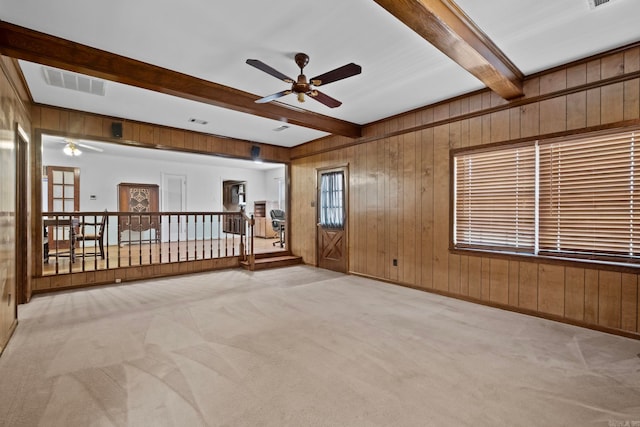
x: 100, y: 174
x: 274, y: 184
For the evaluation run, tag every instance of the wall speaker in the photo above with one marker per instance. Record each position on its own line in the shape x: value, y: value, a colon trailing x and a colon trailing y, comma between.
x: 116, y: 129
x: 255, y: 152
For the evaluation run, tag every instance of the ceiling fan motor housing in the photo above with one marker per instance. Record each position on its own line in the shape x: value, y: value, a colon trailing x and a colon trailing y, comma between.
x: 301, y: 86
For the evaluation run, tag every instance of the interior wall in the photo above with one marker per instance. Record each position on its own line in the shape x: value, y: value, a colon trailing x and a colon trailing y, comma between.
x: 275, y: 187
x: 399, y: 194
x: 100, y: 174
x: 14, y: 111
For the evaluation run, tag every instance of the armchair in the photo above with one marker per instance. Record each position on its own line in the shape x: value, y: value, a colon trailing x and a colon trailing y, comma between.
x: 278, y: 222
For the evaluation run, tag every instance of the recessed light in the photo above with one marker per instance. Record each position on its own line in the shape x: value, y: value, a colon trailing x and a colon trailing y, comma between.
x: 281, y: 128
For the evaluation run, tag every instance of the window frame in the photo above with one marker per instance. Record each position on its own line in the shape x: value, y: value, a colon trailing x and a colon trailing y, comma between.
x: 613, y: 262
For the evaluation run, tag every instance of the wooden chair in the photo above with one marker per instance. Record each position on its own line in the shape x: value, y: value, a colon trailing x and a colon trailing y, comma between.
x: 92, y: 231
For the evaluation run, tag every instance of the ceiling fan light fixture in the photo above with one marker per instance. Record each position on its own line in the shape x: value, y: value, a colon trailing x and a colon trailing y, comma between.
x: 71, y: 150
x: 300, y: 97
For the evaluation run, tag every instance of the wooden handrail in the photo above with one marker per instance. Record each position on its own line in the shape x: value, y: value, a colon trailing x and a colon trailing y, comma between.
x: 147, y: 238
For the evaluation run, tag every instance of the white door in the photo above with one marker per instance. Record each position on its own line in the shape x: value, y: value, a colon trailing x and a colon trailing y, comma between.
x: 174, y: 199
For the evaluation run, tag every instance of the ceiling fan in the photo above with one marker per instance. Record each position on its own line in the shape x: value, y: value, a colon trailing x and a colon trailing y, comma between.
x: 71, y: 147
x: 302, y: 86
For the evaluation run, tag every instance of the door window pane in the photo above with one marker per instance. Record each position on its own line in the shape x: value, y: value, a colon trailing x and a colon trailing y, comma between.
x: 332, y: 200
x: 68, y: 191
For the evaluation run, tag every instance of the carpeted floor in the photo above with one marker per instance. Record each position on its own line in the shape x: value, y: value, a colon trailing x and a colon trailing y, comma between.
x: 304, y: 347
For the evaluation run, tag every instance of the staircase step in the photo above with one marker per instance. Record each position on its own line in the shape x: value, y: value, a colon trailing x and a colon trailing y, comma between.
x: 273, y: 262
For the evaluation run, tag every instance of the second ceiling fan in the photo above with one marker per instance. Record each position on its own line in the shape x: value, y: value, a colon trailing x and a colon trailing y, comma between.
x: 302, y: 86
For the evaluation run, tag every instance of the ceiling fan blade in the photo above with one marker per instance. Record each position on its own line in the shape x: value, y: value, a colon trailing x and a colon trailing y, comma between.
x: 325, y: 99
x: 337, y: 74
x: 267, y: 69
x: 99, y: 150
x: 272, y: 97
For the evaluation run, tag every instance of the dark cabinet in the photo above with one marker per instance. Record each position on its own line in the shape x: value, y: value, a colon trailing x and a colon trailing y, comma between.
x: 138, y: 199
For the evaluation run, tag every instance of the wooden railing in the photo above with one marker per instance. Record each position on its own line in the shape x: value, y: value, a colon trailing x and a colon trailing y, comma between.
x: 92, y: 241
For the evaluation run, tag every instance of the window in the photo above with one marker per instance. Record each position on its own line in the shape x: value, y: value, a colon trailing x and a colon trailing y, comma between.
x: 332, y: 200
x: 494, y: 198
x: 577, y: 198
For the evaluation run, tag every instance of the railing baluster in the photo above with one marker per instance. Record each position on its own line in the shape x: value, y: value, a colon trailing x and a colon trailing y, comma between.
x: 233, y: 230
x: 203, y: 235
x: 226, y: 238
x: 129, y: 217
x: 187, y: 236
x: 160, y: 219
x: 55, y: 238
x: 169, y: 238
x: 106, y: 243
x: 179, y: 231
x: 210, y: 235
x: 119, y: 239
x: 151, y: 228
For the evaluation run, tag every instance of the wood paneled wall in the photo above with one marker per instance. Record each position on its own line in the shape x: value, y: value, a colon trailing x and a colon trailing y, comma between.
x: 87, y: 125
x: 399, y: 194
x: 14, y: 111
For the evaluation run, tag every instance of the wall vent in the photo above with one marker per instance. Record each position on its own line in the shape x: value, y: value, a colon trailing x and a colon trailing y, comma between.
x: 596, y: 3
x: 73, y: 81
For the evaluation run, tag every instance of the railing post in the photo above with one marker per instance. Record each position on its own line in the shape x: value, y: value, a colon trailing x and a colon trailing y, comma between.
x: 252, y: 256
x: 242, y: 219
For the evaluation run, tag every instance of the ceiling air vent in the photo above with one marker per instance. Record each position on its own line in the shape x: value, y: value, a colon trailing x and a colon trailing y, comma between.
x: 595, y: 3
x: 73, y: 81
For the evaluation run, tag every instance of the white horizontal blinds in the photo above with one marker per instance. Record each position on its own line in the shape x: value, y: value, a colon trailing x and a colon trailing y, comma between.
x: 495, y: 199
x: 588, y: 196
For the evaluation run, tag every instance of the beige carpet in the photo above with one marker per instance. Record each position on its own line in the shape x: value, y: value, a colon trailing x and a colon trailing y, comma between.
x: 304, y: 347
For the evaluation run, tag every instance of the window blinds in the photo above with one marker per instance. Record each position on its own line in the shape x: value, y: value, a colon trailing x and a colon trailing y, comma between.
x: 589, y: 196
x: 495, y: 198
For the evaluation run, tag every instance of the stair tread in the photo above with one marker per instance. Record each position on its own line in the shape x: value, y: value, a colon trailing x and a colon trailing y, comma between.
x: 277, y: 258
x: 276, y: 261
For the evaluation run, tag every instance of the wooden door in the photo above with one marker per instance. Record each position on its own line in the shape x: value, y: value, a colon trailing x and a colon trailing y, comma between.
x: 332, y: 219
x: 63, y: 195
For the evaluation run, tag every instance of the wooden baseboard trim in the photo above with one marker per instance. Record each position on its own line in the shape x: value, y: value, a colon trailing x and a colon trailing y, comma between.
x: 533, y: 313
x: 12, y: 329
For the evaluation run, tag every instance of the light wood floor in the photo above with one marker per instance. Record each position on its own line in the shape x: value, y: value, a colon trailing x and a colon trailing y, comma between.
x: 152, y: 253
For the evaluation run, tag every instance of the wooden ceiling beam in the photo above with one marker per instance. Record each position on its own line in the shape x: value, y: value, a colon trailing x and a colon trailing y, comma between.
x: 443, y: 24
x: 23, y: 43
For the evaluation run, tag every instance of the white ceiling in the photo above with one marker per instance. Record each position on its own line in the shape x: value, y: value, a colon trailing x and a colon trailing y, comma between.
x: 212, y: 40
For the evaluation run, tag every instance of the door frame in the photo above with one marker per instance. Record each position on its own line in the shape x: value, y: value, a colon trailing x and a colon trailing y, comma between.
x: 319, y: 171
x: 23, y: 284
